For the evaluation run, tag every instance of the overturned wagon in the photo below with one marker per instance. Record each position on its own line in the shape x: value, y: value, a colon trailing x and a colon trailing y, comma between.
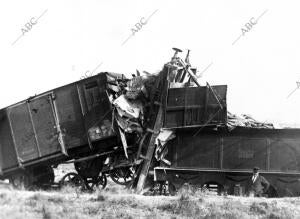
x: 70, y: 123
x: 222, y: 160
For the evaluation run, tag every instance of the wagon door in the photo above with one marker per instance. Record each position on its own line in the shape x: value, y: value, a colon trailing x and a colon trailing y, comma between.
x: 22, y: 132
x: 45, y: 125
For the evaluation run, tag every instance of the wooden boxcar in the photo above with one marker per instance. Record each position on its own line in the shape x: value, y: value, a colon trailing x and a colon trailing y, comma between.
x: 224, y: 159
x: 195, y: 106
x: 61, y: 124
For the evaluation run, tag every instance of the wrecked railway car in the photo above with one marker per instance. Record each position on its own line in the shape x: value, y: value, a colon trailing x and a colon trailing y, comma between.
x: 222, y: 160
x: 69, y: 122
x: 206, y: 146
x: 200, y: 143
x: 164, y: 124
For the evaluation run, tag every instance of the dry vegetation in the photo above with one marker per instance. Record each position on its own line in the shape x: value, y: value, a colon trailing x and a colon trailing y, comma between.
x: 116, y: 202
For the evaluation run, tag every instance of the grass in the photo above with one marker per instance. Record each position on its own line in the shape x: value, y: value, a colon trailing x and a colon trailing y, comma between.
x: 117, y: 202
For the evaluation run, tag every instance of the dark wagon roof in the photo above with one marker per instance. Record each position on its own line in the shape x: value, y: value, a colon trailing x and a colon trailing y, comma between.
x: 116, y: 75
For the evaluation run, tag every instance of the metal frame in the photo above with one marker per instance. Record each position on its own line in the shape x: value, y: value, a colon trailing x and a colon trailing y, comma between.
x: 56, y: 118
x: 165, y: 169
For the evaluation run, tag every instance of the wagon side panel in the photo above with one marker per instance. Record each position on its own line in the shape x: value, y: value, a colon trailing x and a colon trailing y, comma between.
x: 196, y: 106
x: 23, y: 132
x: 8, y: 153
x: 243, y: 153
x: 43, y: 119
x: 285, y: 155
x: 198, y: 152
x: 70, y: 116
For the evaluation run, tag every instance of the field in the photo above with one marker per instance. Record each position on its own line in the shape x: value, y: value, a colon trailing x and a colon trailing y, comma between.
x: 118, y: 202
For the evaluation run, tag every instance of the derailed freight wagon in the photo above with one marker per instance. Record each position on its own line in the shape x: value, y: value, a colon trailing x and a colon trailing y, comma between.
x: 222, y: 160
x: 69, y: 122
x: 204, y: 145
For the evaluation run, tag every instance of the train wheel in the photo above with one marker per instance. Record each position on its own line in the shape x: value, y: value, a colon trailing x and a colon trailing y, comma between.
x: 122, y: 176
x: 100, y: 182
x: 71, y: 179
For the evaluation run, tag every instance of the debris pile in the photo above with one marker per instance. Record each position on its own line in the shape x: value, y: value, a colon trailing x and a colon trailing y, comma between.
x: 245, y: 121
x: 135, y: 103
x: 131, y: 101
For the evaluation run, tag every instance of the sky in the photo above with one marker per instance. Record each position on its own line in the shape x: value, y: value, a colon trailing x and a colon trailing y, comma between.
x: 252, y: 46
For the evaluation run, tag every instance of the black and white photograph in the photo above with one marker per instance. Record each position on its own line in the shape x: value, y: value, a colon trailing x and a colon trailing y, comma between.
x: 150, y: 109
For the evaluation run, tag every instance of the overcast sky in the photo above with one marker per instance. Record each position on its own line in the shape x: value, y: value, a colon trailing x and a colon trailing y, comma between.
x: 259, y: 63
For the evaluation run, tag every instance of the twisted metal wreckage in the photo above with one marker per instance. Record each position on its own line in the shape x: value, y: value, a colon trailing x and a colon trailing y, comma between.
x: 141, y: 108
x: 161, y: 127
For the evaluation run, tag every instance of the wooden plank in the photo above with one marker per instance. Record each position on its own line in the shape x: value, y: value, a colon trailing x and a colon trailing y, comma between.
x: 124, y: 142
x: 150, y: 151
x: 188, y: 70
x: 214, y: 94
x: 160, y: 93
